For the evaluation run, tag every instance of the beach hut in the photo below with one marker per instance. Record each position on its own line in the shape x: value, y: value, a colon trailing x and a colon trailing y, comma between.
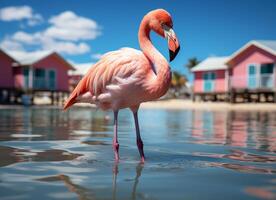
x: 6, y: 76
x: 43, y: 73
x: 75, y: 76
x: 210, y: 77
x: 247, y: 75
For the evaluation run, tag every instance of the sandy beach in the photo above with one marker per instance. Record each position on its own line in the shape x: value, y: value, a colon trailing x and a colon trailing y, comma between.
x: 188, y: 104
x: 180, y: 104
x: 177, y: 104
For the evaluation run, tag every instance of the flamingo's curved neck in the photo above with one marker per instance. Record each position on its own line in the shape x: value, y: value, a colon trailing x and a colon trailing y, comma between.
x: 161, y: 65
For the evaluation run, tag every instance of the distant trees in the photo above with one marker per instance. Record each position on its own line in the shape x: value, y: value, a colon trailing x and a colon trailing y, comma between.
x: 178, y: 80
x: 178, y: 86
x: 192, y: 62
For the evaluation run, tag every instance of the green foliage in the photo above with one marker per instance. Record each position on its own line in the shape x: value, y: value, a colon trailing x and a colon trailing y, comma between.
x: 192, y: 62
x: 178, y: 80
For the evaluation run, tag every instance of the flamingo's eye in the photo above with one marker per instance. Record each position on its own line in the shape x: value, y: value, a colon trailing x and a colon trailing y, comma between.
x: 165, y: 27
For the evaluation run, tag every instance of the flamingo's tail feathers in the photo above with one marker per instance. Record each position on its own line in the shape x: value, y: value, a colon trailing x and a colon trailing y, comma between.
x: 69, y: 102
x: 79, y: 90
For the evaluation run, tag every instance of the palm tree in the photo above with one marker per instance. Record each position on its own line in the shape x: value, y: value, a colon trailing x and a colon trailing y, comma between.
x: 178, y: 80
x: 177, y: 83
x: 192, y: 62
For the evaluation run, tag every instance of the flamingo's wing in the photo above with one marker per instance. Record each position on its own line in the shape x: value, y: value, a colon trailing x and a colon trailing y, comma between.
x: 115, y: 70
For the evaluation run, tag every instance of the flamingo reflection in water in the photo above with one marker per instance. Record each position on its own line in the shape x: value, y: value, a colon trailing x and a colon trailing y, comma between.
x: 139, y: 169
x: 84, y: 193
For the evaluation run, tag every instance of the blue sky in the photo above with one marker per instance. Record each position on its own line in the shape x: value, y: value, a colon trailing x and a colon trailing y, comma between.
x: 204, y: 28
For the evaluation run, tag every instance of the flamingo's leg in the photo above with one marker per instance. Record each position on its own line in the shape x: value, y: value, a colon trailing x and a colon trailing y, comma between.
x: 115, y: 137
x: 139, y: 141
x: 114, y: 180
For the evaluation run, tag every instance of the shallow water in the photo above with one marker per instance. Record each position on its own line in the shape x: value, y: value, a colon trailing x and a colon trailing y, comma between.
x: 46, y: 153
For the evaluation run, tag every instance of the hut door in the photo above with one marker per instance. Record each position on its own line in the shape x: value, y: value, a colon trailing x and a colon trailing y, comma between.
x: 39, y: 79
x: 26, y: 77
x: 52, y: 79
x: 252, y: 76
x: 209, y: 81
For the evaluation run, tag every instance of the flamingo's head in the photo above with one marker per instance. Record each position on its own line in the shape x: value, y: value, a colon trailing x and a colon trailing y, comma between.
x: 161, y: 22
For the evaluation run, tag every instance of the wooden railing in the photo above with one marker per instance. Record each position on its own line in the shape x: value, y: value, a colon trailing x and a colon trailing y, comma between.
x: 263, y: 81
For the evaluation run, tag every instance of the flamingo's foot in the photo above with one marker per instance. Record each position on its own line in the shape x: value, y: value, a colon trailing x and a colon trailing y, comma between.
x: 142, y: 160
x: 141, y: 150
x: 116, y: 150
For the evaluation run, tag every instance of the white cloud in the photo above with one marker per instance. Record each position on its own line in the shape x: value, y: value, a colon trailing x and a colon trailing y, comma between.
x: 69, y: 19
x: 16, y: 13
x: 46, y: 43
x: 96, y: 56
x: 66, y: 34
x: 69, y: 26
x: 69, y: 48
x: 81, y: 68
x: 36, y: 19
x: 9, y: 44
x: 27, y: 38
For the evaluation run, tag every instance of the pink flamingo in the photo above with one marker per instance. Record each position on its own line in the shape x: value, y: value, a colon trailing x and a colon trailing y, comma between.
x: 127, y: 77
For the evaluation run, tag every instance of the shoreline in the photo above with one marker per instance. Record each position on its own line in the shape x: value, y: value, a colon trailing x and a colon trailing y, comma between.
x: 177, y: 104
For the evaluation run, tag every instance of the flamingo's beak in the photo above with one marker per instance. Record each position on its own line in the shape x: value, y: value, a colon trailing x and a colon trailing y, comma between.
x: 173, y: 43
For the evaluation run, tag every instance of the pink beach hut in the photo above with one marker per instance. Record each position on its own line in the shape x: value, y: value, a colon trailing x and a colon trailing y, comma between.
x: 32, y: 73
x: 249, y: 73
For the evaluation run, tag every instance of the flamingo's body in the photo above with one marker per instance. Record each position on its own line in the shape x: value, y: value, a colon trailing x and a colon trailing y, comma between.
x: 127, y: 77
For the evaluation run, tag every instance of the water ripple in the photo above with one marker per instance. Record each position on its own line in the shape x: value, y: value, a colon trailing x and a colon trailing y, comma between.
x: 49, y: 154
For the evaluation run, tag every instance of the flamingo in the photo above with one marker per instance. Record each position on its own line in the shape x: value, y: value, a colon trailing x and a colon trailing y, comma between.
x: 127, y: 77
